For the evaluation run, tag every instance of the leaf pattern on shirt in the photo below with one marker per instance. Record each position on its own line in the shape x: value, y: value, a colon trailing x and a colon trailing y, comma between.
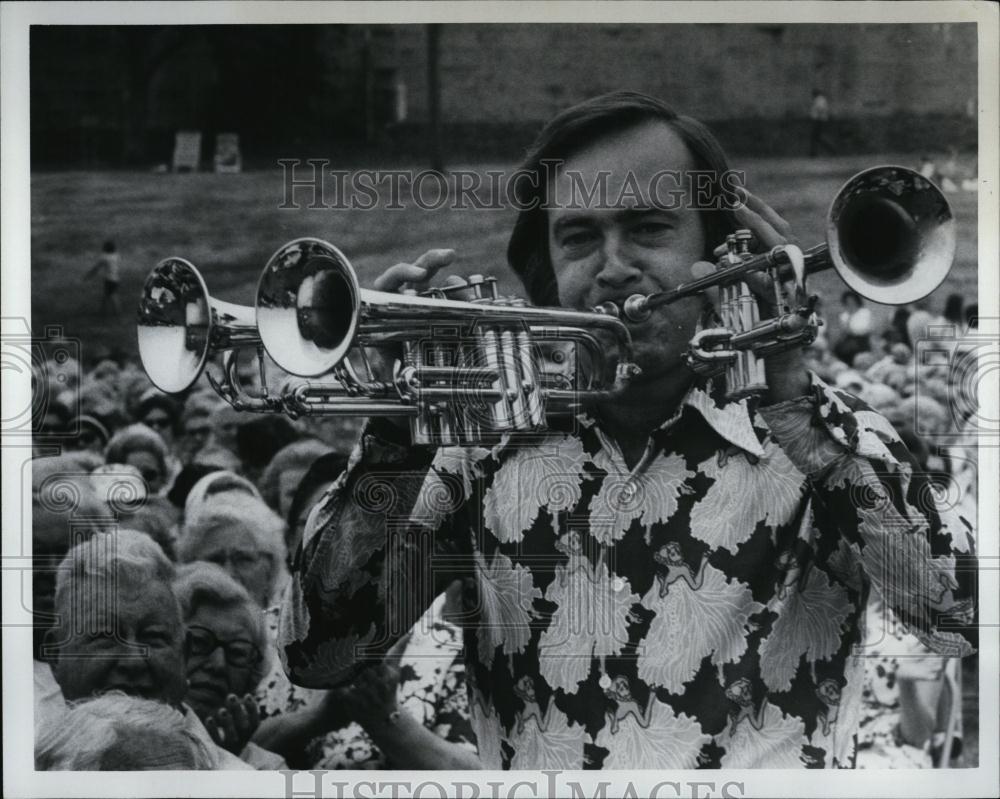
x: 506, y: 594
x: 441, y: 494
x: 918, y: 586
x: 839, y: 722
x: 463, y: 461
x: 776, y: 744
x: 333, y: 657
x: 674, y: 647
x: 591, y: 620
x: 844, y: 563
x: 661, y: 740
x: 487, y: 727
x: 650, y: 496
x: 548, y: 475
x: 745, y: 494
x: 557, y: 743
x: 809, y: 623
x: 953, y: 525
x: 867, y: 523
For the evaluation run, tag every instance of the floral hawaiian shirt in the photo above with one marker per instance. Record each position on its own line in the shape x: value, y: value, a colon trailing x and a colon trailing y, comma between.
x: 701, y: 610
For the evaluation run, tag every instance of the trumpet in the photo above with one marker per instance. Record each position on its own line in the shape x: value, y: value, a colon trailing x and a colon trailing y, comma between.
x: 471, y: 370
x: 890, y: 236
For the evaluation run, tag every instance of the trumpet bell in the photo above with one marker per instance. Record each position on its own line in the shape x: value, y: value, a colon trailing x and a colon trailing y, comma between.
x: 891, y: 235
x: 174, y: 325
x: 308, y: 300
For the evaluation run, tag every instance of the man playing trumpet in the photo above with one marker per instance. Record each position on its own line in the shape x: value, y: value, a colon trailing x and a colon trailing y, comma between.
x: 670, y: 580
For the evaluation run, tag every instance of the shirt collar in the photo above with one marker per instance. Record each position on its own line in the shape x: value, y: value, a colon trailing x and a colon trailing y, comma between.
x: 730, y: 419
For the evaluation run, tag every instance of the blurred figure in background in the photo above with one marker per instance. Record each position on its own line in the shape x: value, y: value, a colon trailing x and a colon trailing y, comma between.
x: 953, y: 312
x: 142, y: 447
x: 283, y: 475
x: 856, y: 328
x: 196, y: 424
x: 971, y: 316
x: 161, y: 413
x: 107, y: 267
x: 260, y: 438
x: 819, y: 116
x: 225, y: 421
x: 92, y: 435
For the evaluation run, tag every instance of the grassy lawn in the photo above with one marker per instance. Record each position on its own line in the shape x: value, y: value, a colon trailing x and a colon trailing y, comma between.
x: 228, y: 225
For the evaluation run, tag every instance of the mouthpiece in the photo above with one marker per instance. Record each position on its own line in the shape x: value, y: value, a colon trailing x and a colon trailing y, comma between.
x: 636, y: 308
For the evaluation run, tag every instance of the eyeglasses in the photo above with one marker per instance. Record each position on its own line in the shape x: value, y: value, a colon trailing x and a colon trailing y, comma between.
x: 157, y: 421
x: 202, y: 642
x: 240, y: 558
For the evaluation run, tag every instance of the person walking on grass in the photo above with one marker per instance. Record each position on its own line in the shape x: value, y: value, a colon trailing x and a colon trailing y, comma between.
x: 107, y: 266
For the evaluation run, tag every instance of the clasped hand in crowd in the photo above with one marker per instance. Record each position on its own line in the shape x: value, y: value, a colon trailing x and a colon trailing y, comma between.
x: 233, y: 724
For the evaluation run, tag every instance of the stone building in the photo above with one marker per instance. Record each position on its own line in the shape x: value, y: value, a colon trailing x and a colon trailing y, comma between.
x: 116, y: 94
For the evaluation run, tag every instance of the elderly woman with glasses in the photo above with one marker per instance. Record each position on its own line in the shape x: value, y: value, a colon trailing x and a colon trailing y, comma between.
x: 142, y: 447
x: 119, y: 628
x: 226, y: 644
x: 245, y: 538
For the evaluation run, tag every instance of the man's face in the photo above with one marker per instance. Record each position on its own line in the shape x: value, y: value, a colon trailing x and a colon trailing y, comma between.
x: 135, y: 645
x: 600, y: 254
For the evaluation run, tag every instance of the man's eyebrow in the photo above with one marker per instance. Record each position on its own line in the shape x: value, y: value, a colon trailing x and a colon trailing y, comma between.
x: 623, y: 214
x: 645, y: 210
x: 562, y: 222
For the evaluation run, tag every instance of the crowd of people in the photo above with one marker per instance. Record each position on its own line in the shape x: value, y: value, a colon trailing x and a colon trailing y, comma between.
x: 191, y: 511
x: 162, y: 534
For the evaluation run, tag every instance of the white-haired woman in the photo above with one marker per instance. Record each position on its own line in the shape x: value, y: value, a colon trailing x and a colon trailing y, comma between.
x: 214, y: 490
x: 119, y: 628
x: 118, y: 732
x: 227, y: 650
x: 246, y: 538
x: 142, y: 447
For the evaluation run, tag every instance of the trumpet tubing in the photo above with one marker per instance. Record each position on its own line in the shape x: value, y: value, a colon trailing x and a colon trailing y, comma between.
x: 471, y: 370
x: 890, y: 236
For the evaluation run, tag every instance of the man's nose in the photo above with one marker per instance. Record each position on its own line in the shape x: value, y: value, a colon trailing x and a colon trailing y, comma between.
x: 618, y: 270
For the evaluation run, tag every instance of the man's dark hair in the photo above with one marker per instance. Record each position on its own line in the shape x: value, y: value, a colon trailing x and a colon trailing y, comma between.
x: 578, y: 127
x: 109, y: 246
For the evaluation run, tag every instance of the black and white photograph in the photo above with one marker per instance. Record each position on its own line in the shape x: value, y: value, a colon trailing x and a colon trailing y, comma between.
x: 500, y: 399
